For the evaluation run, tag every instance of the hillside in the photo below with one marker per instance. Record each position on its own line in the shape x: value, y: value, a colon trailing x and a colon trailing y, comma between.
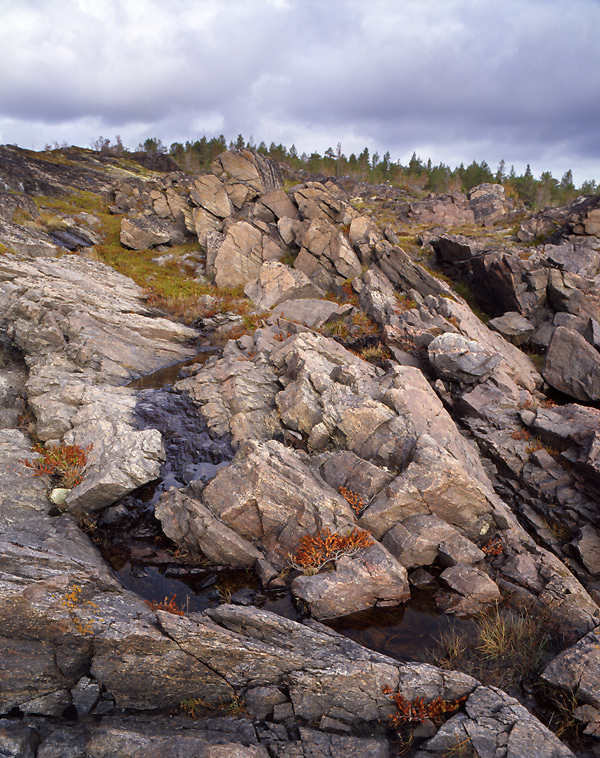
x: 374, y: 405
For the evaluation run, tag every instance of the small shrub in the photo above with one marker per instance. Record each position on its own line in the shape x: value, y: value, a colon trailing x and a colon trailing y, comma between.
x: 417, y: 710
x: 520, y: 434
x: 318, y: 550
x: 353, y: 499
x: 535, y: 444
x: 166, y: 605
x: 405, y: 303
x: 64, y: 461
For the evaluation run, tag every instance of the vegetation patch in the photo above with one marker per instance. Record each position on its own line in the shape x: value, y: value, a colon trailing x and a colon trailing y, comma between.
x: 67, y: 462
x: 323, y: 548
x: 506, y: 649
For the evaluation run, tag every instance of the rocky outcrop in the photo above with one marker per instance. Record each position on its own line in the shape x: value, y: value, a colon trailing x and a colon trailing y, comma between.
x: 241, y: 254
x: 581, y: 217
x: 331, y: 452
x: 485, y: 204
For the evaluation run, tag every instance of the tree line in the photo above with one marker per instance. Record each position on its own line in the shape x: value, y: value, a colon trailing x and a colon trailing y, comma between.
x: 416, y: 177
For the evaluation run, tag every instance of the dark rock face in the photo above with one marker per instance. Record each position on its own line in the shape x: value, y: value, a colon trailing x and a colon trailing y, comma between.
x: 22, y: 172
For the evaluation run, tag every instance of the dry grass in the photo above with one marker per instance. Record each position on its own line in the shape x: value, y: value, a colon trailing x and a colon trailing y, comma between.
x: 505, y: 649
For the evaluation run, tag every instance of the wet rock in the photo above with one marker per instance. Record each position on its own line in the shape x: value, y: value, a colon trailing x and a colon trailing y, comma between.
x: 372, y: 577
x: 277, y: 282
x: 459, y: 359
x: 237, y: 397
x: 573, y: 365
x: 471, y: 583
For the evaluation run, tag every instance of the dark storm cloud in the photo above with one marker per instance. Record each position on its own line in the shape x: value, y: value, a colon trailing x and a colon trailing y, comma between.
x: 454, y: 79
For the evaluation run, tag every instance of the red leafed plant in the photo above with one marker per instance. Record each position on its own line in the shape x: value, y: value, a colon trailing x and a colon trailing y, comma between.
x: 353, y: 499
x: 65, y: 461
x: 417, y: 710
x: 317, y: 550
x: 166, y: 605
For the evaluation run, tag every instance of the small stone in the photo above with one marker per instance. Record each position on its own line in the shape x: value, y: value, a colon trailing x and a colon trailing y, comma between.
x: 58, y: 495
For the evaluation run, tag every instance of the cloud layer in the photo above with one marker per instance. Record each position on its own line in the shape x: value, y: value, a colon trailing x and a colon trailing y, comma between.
x: 454, y: 80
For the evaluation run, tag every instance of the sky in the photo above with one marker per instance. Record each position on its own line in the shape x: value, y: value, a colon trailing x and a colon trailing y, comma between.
x: 452, y: 80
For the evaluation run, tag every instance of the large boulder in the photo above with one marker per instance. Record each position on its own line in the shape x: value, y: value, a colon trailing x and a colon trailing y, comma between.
x: 147, y: 231
x: 460, y: 359
x: 277, y: 282
x: 326, y: 256
x: 373, y: 577
x: 242, y: 253
x: 246, y: 175
x: 573, y: 365
x: 272, y: 498
x: 489, y: 203
x: 209, y: 192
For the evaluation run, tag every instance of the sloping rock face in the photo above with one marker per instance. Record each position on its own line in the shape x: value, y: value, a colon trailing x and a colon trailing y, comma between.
x: 83, y: 330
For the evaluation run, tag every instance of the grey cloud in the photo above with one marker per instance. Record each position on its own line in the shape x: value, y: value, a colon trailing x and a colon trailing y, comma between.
x: 518, y: 78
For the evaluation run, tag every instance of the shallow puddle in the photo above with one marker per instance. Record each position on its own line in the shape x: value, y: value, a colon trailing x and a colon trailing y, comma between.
x: 163, y: 377
x: 405, y: 632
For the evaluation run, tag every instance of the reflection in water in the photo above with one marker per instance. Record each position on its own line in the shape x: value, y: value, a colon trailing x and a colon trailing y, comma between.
x: 163, y: 377
x: 405, y: 632
x: 198, y: 590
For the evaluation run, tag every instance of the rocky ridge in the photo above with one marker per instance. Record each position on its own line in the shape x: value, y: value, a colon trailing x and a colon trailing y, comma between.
x: 436, y: 453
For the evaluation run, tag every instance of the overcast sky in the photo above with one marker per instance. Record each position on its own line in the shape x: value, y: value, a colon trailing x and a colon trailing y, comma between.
x: 453, y: 80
